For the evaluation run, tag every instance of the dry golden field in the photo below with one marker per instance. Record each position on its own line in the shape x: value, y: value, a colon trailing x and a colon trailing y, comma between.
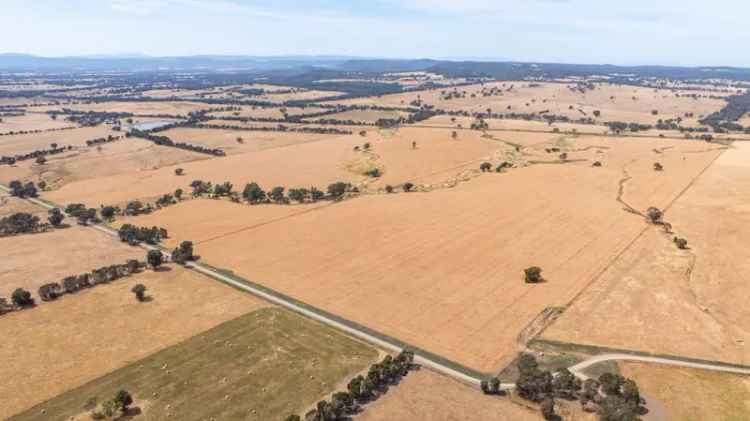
x: 426, y: 396
x: 64, y: 344
x: 19, y: 144
x: 693, y: 395
x: 688, y: 303
x: 57, y: 254
x: 31, y: 122
x: 126, y: 156
x: 170, y: 108
x: 366, y: 116
x: 442, y: 270
x: 10, y: 205
x: 630, y: 104
x: 251, y: 141
x: 264, y: 112
x: 303, y: 165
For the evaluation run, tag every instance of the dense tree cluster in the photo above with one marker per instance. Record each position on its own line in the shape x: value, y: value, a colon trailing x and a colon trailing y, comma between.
x: 362, y: 389
x: 613, y: 397
x: 20, y: 223
x: 183, y: 253
x: 533, y: 275
x: 134, y: 235
x: 116, y: 408
x: 20, y: 190
x: 83, y: 215
x: 102, y: 140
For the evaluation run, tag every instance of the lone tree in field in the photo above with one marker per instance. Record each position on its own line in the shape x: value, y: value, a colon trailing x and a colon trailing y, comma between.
x: 140, y: 292
x: 154, y: 258
x: 681, y: 243
x: 658, y: 166
x: 485, y: 166
x: 55, y: 217
x: 533, y: 275
x: 654, y: 215
x: 123, y: 400
x: 597, y: 113
x: 179, y: 172
x: 22, y: 298
x: 454, y: 135
x: 408, y: 186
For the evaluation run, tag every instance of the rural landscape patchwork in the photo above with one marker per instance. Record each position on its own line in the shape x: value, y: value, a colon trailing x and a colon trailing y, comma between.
x: 328, y: 238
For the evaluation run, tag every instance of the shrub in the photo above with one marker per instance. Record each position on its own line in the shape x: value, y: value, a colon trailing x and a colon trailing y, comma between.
x: 408, y: 186
x: 22, y: 298
x: 140, y: 292
x: 681, y: 243
x: 154, y: 258
x: 533, y: 275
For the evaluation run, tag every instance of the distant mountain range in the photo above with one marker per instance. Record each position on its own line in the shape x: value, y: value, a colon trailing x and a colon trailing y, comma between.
x: 302, y: 64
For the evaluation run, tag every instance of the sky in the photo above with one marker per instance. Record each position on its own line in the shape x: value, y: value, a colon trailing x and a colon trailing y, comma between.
x: 667, y: 32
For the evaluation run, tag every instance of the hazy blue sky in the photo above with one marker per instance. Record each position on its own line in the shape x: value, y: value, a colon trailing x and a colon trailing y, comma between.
x: 687, y: 32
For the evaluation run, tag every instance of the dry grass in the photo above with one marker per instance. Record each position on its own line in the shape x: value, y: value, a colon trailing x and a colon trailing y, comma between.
x: 424, y: 395
x: 64, y: 344
x: 557, y: 98
x: 308, y: 164
x: 688, y: 303
x: 127, y: 156
x: 10, y: 205
x: 172, y: 108
x: 693, y: 395
x: 252, y: 141
x: 442, y: 270
x: 31, y: 122
x: 260, y: 112
x: 18, y: 144
x: 366, y: 116
x: 29, y: 261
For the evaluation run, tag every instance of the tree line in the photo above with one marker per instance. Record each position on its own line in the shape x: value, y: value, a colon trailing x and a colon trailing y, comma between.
x: 165, y: 141
x: 54, y: 149
x: 254, y: 194
x: 22, y: 299
x: 361, y: 389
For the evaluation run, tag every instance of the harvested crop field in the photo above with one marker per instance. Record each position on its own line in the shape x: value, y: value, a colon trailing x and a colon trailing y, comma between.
x: 303, y: 165
x: 79, y: 338
x: 182, y: 108
x: 201, y: 220
x: 10, y: 205
x: 630, y: 104
x: 251, y: 141
x: 31, y: 122
x: 267, y: 112
x: 264, y: 365
x: 693, y: 395
x: 25, y: 143
x: 442, y: 270
x: 57, y: 254
x: 366, y: 116
x: 424, y: 395
x: 681, y: 302
x: 126, y: 156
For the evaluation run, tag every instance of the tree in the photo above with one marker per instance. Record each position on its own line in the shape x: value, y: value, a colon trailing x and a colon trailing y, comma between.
x: 293, y: 417
x: 55, y: 217
x: 154, y: 258
x: 494, y: 385
x: 133, y: 266
x: 22, y: 298
x: 108, y: 212
x: 140, y: 292
x: 654, y: 215
x: 485, y: 166
x: 454, y: 135
x: 41, y: 160
x: 388, y: 188
x: 597, y: 113
x: 178, y: 194
x: 298, y: 195
x: 316, y: 195
x: 179, y: 171
x: 253, y: 193
x: 548, y: 409
x: 485, y: 386
x: 658, y: 166
x: 277, y: 195
x: 681, y: 243
x: 123, y: 400
x: 533, y: 275
x: 408, y: 186
x: 337, y: 190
